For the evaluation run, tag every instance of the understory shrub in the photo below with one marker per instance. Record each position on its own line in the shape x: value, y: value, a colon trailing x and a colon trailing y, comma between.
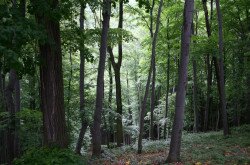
x: 49, y: 156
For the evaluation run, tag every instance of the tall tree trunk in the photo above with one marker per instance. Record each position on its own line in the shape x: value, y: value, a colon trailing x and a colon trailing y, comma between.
x: 3, y: 139
x: 209, y: 67
x: 111, y: 130
x: 196, y: 117
x: 51, y: 79
x: 221, y: 72
x: 96, y: 129
x: 143, y: 108
x: 195, y: 84
x: 84, y: 121
x: 117, y: 68
x: 12, y: 97
x: 167, y: 91
x: 175, y: 144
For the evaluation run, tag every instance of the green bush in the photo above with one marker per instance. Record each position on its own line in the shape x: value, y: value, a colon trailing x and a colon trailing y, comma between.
x: 30, y: 128
x: 50, y: 156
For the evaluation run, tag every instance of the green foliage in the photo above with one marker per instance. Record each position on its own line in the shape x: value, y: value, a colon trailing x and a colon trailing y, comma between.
x: 30, y: 128
x: 214, y: 148
x: 47, y: 156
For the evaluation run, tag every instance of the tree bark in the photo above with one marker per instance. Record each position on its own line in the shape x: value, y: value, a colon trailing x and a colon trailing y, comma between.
x: 143, y: 108
x: 3, y: 138
x: 51, y: 79
x: 96, y: 129
x: 175, y: 144
x: 117, y: 68
x: 12, y: 97
x: 84, y: 121
x: 221, y: 72
x: 111, y: 130
x: 209, y: 67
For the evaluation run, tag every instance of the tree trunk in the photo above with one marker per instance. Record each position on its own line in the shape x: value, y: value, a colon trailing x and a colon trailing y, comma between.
x: 221, y: 72
x: 167, y: 92
x: 117, y: 68
x: 196, y: 117
x: 175, y: 144
x: 3, y: 139
x: 12, y: 97
x: 51, y: 79
x: 96, y: 129
x: 84, y: 121
x: 209, y: 67
x: 143, y: 108
x: 110, y: 132
x: 195, y: 84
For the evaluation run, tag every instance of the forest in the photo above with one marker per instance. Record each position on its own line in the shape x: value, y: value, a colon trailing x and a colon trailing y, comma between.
x: 124, y: 82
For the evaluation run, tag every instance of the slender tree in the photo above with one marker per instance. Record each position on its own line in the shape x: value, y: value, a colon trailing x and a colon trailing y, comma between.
x: 143, y: 108
x: 96, y: 129
x: 175, y: 144
x: 221, y: 71
x: 84, y: 122
x: 117, y: 70
x: 209, y: 65
x: 168, y: 79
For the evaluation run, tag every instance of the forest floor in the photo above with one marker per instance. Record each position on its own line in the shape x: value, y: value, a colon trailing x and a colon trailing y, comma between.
x: 197, y: 148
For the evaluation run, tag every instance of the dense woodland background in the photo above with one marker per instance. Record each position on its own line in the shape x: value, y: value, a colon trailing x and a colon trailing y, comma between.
x: 90, y: 75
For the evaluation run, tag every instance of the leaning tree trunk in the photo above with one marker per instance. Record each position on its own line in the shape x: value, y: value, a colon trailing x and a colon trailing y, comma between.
x: 96, y: 129
x: 84, y: 122
x: 51, y: 79
x: 143, y: 108
x: 221, y: 72
x: 175, y: 144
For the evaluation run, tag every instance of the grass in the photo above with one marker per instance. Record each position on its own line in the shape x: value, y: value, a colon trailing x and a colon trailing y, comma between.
x: 197, y: 148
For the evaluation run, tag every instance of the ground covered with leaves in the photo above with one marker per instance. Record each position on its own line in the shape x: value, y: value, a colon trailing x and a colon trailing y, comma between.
x: 197, y: 148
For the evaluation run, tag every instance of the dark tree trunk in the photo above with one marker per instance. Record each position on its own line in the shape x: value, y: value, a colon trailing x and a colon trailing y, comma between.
x: 117, y: 68
x: 96, y: 129
x: 3, y: 138
x: 221, y: 72
x: 12, y: 98
x: 175, y: 144
x: 84, y: 121
x: 143, y: 108
x: 51, y: 79
x: 209, y: 67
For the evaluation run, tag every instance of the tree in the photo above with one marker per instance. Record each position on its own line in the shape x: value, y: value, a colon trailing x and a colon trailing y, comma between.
x: 96, y: 128
x: 84, y: 122
x: 221, y: 72
x: 117, y: 67
x: 153, y: 53
x: 175, y: 144
x: 51, y: 77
